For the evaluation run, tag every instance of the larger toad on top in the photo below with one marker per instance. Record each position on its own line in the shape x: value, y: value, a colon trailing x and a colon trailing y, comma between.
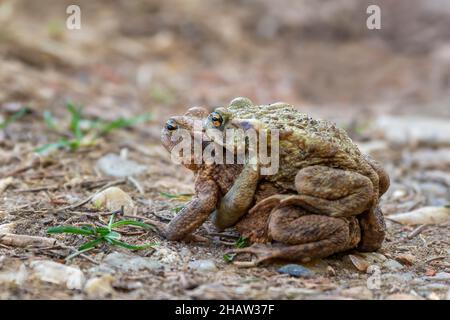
x: 323, y: 199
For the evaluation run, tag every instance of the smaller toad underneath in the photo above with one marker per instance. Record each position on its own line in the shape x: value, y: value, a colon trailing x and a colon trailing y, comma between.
x: 323, y: 199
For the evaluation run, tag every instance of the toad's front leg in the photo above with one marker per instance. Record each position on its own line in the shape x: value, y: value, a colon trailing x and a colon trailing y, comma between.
x: 195, y: 212
x: 238, y: 199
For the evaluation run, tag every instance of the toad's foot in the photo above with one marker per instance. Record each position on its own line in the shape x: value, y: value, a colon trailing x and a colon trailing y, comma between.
x: 261, y: 252
x: 161, y: 230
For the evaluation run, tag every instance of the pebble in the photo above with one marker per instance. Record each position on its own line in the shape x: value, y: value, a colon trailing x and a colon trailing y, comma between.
x: 115, y: 166
x: 296, y: 293
x: 440, y: 276
x: 361, y: 293
x: 99, y: 287
x: 397, y: 277
x: 185, y: 253
x: 403, y: 296
x: 53, y: 272
x: 392, y: 265
x: 7, y: 227
x: 296, y: 270
x: 406, y: 276
x: 113, y: 199
x: 435, y: 286
x: 203, y: 265
x: 210, y: 291
x: 372, y: 269
x: 166, y: 256
x: 127, y: 263
x: 433, y: 296
x: 242, y: 290
x: 12, y: 271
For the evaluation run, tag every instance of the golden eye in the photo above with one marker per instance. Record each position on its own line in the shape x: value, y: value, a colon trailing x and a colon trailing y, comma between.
x: 171, y: 125
x: 216, y: 119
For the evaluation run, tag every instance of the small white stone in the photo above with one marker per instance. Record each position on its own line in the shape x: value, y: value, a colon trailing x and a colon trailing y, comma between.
x: 127, y: 263
x: 203, y: 265
x: 392, y: 265
x: 119, y: 167
x: 361, y: 292
x: 166, y: 256
x: 99, y: 287
x: 113, y: 199
x: 53, y: 272
x: 440, y: 276
x: 7, y: 227
x: 13, y: 275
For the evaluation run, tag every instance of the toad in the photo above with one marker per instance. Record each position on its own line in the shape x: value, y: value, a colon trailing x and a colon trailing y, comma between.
x: 323, y: 199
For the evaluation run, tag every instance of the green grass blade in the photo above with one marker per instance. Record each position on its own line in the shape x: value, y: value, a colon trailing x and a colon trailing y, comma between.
x: 74, y: 144
x: 71, y: 230
x: 123, y: 123
x: 63, y: 143
x: 13, y: 118
x: 89, y: 228
x: 132, y: 223
x: 178, y: 208
x: 111, y: 221
x: 113, y: 235
x: 50, y: 120
x: 229, y: 257
x: 91, y: 244
x: 181, y: 196
x: 73, y: 255
x: 103, y: 231
x: 242, y: 242
x: 76, y: 113
x: 130, y: 246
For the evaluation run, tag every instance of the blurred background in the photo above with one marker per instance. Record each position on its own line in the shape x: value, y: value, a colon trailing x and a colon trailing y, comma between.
x: 162, y: 56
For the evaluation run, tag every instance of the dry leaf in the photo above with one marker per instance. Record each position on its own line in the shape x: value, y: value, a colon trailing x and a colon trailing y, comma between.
x: 425, y: 215
x: 360, y: 263
x: 406, y: 258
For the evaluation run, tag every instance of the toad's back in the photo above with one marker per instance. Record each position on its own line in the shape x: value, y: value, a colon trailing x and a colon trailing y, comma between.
x: 303, y: 141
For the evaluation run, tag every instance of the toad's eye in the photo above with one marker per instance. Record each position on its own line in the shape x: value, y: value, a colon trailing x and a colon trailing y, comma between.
x: 216, y: 119
x: 171, y: 125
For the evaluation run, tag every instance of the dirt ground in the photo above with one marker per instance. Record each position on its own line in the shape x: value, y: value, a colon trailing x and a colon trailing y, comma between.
x: 389, y: 90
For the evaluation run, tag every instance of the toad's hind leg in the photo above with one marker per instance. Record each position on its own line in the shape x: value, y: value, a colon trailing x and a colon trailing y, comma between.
x: 302, y: 236
x: 373, y: 229
x: 333, y: 192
